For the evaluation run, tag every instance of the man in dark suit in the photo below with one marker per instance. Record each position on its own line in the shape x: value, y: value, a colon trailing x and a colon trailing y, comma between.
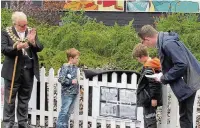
x: 19, y: 40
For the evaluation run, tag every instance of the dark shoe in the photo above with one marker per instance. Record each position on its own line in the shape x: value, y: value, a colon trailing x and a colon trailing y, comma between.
x: 24, y: 126
x: 7, y: 125
x: 15, y: 125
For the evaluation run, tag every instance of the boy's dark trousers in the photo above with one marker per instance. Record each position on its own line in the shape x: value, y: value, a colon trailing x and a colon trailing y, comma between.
x: 149, y: 113
x: 186, y: 112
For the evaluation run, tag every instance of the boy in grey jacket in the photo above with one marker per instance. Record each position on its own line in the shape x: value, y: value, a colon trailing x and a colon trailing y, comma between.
x: 70, y: 88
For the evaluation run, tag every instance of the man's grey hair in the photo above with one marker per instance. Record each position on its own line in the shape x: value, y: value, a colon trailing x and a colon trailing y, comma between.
x: 18, y: 16
x: 147, y: 31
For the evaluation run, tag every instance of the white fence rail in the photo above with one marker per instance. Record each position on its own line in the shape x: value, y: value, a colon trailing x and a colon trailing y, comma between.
x: 46, y: 101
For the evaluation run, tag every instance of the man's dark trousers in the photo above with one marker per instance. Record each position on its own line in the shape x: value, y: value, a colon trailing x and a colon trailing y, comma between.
x: 186, y: 112
x: 22, y: 88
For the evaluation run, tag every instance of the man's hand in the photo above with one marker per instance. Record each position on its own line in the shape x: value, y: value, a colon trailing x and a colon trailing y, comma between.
x: 158, y: 77
x: 21, y: 45
x: 31, y: 36
x: 25, y: 45
x: 153, y: 103
x: 74, y: 81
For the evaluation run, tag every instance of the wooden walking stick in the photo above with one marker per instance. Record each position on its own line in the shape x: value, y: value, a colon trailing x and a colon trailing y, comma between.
x: 13, y: 78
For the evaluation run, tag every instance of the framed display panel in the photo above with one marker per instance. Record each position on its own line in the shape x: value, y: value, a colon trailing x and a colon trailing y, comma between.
x: 118, y: 102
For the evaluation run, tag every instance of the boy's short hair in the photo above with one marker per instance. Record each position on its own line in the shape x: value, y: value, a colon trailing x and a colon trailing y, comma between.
x: 140, y: 50
x: 72, y: 52
x: 147, y: 31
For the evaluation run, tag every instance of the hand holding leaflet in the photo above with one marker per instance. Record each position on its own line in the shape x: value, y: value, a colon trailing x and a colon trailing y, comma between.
x: 155, y: 76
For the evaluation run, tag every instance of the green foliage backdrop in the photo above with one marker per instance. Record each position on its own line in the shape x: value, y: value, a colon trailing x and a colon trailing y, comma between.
x: 100, y: 45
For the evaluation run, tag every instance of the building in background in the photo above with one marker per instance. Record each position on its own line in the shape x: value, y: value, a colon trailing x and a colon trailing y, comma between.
x: 110, y: 11
x: 182, y: 6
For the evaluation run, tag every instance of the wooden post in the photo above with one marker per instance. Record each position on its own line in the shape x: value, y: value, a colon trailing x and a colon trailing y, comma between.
x: 13, y: 78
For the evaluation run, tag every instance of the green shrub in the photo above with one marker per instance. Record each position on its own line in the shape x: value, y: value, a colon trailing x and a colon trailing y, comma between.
x: 186, y: 25
x: 101, y: 45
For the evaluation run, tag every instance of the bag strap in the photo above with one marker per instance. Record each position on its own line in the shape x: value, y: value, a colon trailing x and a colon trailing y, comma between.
x: 139, y: 81
x: 141, y: 77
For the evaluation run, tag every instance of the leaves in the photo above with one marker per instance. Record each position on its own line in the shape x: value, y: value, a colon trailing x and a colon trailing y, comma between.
x: 186, y: 25
x: 103, y: 46
x: 6, y: 18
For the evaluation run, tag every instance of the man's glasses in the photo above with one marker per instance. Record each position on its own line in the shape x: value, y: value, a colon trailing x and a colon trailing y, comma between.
x: 22, y: 26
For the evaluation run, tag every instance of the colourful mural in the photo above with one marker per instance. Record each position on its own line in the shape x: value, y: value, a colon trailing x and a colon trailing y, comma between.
x: 184, y: 6
x: 95, y: 5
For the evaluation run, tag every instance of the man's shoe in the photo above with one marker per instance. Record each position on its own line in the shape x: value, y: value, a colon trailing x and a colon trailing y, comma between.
x: 7, y: 125
x: 24, y: 126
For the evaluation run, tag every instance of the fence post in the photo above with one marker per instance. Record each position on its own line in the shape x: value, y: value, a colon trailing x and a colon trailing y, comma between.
x: 195, y: 108
x: 51, y: 95
x: 85, y: 103
x: 96, y: 97
x: 164, y: 118
x: 33, y: 102
x: 58, y: 95
x: 76, y: 104
x: 114, y: 79
x: 42, y: 96
x: 124, y: 80
x: 174, y: 111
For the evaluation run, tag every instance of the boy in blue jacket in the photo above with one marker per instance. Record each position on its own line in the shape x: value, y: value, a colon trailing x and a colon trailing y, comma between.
x: 70, y: 87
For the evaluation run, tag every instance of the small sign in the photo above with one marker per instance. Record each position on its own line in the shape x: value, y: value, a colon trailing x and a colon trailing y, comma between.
x: 109, y: 109
x: 118, y: 102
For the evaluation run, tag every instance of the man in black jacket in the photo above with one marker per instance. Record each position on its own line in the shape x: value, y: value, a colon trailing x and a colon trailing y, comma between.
x: 149, y: 93
x: 21, y: 41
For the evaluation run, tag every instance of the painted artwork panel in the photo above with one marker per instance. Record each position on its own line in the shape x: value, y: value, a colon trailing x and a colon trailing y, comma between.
x: 182, y: 6
x: 86, y: 5
x: 94, y: 5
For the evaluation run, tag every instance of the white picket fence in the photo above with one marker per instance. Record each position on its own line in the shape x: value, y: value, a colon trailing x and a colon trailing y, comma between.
x: 168, y: 120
